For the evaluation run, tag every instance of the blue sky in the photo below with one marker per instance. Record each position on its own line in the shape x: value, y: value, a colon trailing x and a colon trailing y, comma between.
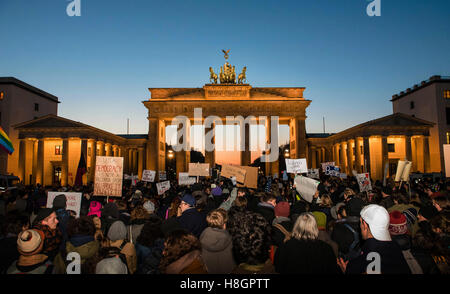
x: 102, y: 63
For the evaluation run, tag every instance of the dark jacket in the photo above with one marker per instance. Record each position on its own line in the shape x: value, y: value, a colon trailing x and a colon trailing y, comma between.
x: 391, y: 258
x: 387, y: 202
x: 193, y: 221
x: 305, y: 257
x: 63, y: 220
x: 153, y: 255
x: 52, y: 242
x: 277, y: 235
x: 217, y: 251
x: 266, y: 210
x: 8, y: 252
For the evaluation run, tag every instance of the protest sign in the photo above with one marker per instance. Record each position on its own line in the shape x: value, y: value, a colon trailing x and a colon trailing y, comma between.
x: 148, y: 175
x: 296, y: 166
x: 108, y: 176
x: 343, y: 176
x: 229, y: 170
x: 313, y: 173
x: 162, y: 176
x: 199, y: 169
x: 325, y: 164
x: 163, y: 187
x: 364, y: 182
x: 251, y: 177
x: 403, y: 170
x: 447, y: 159
x: 185, y: 180
x: 331, y: 170
x: 306, y: 187
x: 73, y: 200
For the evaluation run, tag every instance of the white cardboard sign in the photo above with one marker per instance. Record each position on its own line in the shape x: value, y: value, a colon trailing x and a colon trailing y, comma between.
x: 73, y: 200
x: 148, y: 175
x: 163, y: 187
x: 306, y: 187
x: 364, y: 182
x: 296, y: 166
x: 185, y: 180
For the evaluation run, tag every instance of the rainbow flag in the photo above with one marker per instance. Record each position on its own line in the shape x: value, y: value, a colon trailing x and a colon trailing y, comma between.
x: 5, y: 142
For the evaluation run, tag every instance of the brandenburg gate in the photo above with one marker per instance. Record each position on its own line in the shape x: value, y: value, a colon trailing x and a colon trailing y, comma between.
x: 228, y: 97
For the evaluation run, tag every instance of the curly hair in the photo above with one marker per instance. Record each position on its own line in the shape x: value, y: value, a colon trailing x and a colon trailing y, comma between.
x: 251, y: 234
x: 150, y: 232
x: 81, y: 226
x: 178, y: 244
x: 139, y: 212
x: 217, y: 218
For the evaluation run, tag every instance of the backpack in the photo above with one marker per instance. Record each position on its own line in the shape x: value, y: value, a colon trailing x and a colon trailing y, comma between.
x: 107, y: 252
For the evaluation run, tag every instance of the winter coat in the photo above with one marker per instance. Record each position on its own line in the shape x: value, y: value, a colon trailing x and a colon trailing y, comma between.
x: 325, y: 237
x: 129, y: 251
x: 278, y: 236
x: 52, y: 242
x: 150, y: 262
x: 387, y: 202
x: 404, y: 241
x: 266, y: 210
x: 193, y: 221
x: 35, y: 264
x: 391, y: 258
x: 8, y: 252
x: 190, y: 263
x: 305, y: 257
x: 136, y: 228
x: 217, y: 251
x: 86, y: 246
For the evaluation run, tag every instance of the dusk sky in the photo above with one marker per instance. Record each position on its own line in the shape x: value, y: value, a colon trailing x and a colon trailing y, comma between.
x: 101, y: 64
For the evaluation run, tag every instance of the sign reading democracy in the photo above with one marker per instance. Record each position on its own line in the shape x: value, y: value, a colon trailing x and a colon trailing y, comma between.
x: 163, y: 187
x: 108, y: 176
x: 148, y: 175
x: 73, y: 200
x: 199, y: 169
x: 296, y: 166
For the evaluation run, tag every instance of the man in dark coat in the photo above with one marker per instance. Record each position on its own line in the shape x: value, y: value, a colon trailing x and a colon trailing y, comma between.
x: 190, y: 219
x: 266, y: 207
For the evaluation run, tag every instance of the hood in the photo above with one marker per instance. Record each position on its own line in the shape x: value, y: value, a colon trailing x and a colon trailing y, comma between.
x: 177, y: 266
x: 215, y: 240
x: 87, y: 250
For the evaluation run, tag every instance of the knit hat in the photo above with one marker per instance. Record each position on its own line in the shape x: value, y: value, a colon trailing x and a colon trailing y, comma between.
x: 321, y: 219
x: 282, y: 209
x: 110, y: 209
x: 117, y: 231
x: 43, y: 214
x: 354, y: 206
x: 30, y: 242
x: 95, y: 208
x: 149, y: 206
x: 217, y: 191
x: 335, y: 209
x: 428, y: 211
x: 59, y: 201
x: 377, y: 218
x: 111, y: 265
x: 411, y: 216
x: 397, y: 225
x: 189, y: 199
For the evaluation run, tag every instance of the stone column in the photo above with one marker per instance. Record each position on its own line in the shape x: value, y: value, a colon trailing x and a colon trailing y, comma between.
x: 108, y: 149
x: 22, y: 159
x: 272, y: 167
x: 342, y: 157
x: 35, y: 160
x: 384, y: 155
x: 183, y: 156
x: 65, y: 163
x: 313, y: 157
x: 40, y: 162
x: 300, y: 137
x: 101, y: 148
x: 358, y: 155
x: 408, y: 149
x: 426, y: 154
x: 140, y: 162
x: 366, y: 154
x: 210, y: 156
x: 349, y: 157
x: 93, y: 157
x: 84, y: 152
x: 135, y: 162
x: 246, y: 153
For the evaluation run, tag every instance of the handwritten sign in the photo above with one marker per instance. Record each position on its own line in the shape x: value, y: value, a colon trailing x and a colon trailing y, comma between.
x: 229, y: 171
x: 306, y: 187
x: 364, y: 182
x: 185, y: 180
x: 313, y: 173
x: 403, y: 170
x: 108, y: 176
x: 296, y: 166
x: 331, y: 170
x: 325, y: 164
x: 162, y: 175
x: 148, y: 175
x: 199, y: 169
x: 73, y: 200
x: 163, y: 187
x: 251, y: 177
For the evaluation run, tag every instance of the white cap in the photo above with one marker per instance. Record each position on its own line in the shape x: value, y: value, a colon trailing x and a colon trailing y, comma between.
x: 377, y: 218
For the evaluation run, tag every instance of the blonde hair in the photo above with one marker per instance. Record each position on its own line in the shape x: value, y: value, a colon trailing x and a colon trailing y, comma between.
x: 305, y: 227
x: 217, y: 218
x: 325, y: 201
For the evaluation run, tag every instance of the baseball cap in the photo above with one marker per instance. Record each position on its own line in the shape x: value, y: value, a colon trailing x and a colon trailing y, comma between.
x: 377, y: 218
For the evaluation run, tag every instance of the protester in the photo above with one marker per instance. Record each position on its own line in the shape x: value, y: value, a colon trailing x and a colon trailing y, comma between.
x: 47, y: 222
x: 117, y: 235
x: 304, y: 252
x: 266, y: 207
x: 189, y: 218
x: 149, y: 246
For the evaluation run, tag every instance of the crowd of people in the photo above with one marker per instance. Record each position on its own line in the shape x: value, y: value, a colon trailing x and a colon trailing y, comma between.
x: 216, y: 227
